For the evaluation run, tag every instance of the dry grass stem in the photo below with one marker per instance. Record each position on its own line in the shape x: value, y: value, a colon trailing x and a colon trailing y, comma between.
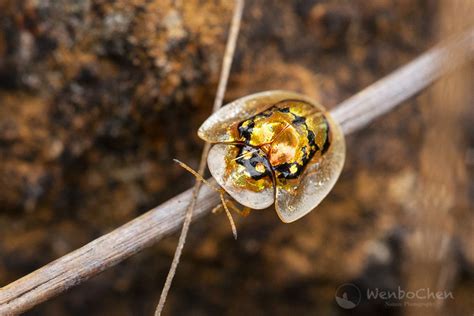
x: 224, y: 78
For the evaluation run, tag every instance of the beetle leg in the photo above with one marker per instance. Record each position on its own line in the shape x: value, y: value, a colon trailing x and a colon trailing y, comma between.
x: 216, y: 209
x: 242, y: 212
x: 245, y: 211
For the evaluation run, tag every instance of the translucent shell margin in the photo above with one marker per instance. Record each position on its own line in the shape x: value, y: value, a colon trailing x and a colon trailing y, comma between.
x: 294, y: 199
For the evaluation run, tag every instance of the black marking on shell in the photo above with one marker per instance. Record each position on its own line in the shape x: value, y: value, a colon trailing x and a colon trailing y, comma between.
x: 251, y: 163
x: 298, y: 120
x: 284, y: 170
x: 327, y: 143
x: 246, y: 131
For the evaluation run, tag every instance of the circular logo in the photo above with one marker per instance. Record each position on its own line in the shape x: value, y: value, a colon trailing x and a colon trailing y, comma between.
x: 348, y: 296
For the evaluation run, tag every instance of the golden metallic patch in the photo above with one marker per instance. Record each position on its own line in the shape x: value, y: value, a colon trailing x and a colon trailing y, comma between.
x: 288, y: 134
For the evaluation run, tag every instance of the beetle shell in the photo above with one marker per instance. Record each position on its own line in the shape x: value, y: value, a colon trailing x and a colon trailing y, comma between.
x: 275, y: 147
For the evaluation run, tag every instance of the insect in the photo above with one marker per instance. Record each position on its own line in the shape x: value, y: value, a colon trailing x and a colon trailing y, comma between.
x: 275, y: 147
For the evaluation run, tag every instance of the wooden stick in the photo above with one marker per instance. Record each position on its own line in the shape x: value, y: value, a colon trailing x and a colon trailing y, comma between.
x: 110, y: 249
x: 392, y: 90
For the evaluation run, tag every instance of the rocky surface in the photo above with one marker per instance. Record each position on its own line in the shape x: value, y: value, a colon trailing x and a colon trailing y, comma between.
x: 97, y: 97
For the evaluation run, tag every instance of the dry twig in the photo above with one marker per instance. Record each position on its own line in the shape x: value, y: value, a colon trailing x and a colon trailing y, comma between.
x: 385, y: 94
x: 224, y: 78
x: 110, y: 249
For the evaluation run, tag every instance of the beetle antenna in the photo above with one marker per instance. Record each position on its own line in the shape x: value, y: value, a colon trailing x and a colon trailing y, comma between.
x: 197, y: 175
x: 212, y: 186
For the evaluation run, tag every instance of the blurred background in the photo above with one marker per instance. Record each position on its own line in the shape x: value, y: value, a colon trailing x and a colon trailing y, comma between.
x: 98, y: 97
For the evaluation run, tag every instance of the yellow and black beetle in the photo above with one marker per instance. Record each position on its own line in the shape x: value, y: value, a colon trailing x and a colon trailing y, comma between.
x: 275, y: 147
